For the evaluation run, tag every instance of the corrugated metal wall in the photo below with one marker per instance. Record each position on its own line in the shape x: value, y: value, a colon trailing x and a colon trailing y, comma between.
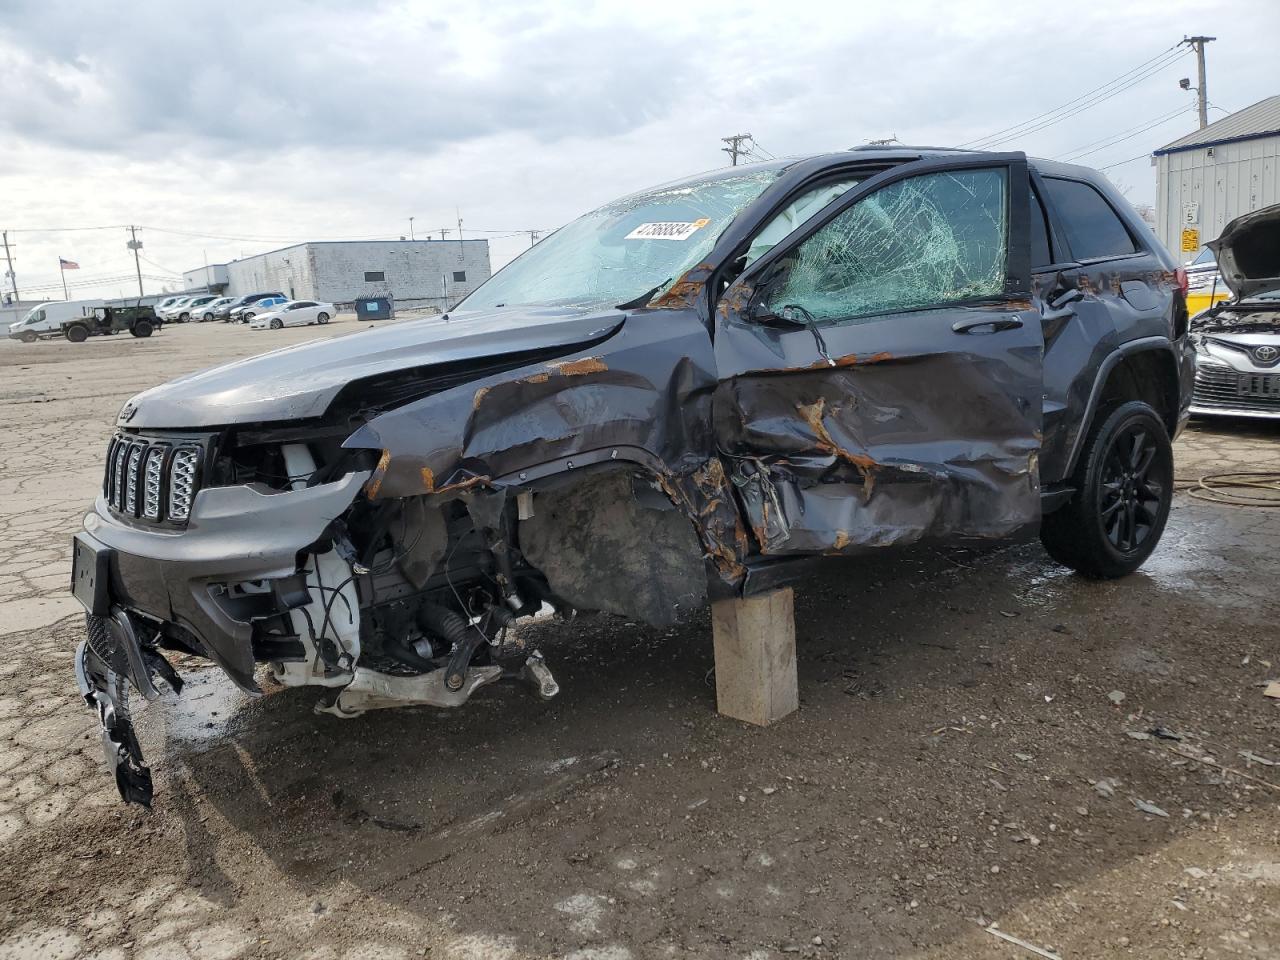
x: 1237, y: 178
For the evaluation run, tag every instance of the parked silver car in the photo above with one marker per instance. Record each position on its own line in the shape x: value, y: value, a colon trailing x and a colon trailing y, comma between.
x: 1238, y: 341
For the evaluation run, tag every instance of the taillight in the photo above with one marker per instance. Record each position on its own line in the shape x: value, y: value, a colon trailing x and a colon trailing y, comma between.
x: 1184, y: 284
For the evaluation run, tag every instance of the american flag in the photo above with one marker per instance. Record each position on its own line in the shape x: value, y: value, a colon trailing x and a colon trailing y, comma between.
x: 68, y: 264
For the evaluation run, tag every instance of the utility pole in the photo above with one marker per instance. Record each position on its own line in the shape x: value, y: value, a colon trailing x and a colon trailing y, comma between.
x: 12, y: 277
x: 1202, y: 92
x: 135, y: 245
x: 444, y: 232
x: 735, y: 148
x: 411, y: 228
x: 460, y: 248
x: 533, y: 236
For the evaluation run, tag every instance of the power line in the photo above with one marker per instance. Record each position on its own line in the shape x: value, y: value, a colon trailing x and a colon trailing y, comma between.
x: 1121, y: 163
x: 113, y: 226
x: 1084, y: 105
x: 1079, y: 103
x: 1073, y: 101
x: 1123, y: 135
x: 160, y: 266
x: 93, y: 282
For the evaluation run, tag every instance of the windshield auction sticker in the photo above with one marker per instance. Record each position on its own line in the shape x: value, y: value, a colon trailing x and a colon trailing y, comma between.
x: 667, y: 230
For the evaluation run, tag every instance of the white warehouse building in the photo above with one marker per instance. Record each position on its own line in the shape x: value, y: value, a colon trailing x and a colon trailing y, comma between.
x: 1208, y: 178
x: 435, y: 273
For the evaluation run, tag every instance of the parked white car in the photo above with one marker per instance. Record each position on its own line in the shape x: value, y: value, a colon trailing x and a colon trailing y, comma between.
x: 210, y: 310
x: 295, y: 313
x: 194, y: 308
x: 174, y: 309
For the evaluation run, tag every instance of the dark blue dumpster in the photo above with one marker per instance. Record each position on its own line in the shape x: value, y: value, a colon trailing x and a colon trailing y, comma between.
x: 375, y: 308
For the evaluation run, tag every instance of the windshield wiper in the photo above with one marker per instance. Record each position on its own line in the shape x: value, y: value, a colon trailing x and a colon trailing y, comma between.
x: 644, y: 298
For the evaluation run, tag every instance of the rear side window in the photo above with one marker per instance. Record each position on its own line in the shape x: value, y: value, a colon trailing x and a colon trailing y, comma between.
x: 1094, y: 230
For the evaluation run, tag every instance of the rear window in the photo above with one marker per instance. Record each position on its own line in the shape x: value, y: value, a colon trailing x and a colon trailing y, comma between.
x: 1094, y: 230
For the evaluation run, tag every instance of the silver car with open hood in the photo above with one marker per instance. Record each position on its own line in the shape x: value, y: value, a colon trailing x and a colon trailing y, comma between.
x: 1238, y: 341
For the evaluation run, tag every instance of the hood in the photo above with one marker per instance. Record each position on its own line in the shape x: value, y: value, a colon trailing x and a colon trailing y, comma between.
x: 1248, y: 253
x: 301, y: 381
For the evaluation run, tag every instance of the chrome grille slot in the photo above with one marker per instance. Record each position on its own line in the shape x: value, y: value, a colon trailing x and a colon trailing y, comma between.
x: 117, y: 485
x: 131, y: 478
x: 152, y: 477
x: 182, y: 482
x: 109, y: 474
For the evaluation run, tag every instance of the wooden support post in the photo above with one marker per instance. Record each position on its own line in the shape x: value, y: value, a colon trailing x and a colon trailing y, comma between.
x: 755, y: 646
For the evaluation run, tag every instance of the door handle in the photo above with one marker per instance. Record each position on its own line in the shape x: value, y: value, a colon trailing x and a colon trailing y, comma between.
x: 982, y: 325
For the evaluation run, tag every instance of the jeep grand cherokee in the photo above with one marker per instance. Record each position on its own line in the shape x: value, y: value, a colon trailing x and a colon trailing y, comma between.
x: 687, y: 393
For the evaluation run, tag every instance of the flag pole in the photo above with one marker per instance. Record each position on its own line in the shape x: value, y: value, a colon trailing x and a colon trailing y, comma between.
x: 65, y: 295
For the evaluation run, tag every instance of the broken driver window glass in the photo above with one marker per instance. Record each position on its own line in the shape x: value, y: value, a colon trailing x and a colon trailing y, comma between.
x: 931, y: 240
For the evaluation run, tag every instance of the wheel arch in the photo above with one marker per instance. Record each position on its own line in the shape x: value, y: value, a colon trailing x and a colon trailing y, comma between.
x: 1146, y: 370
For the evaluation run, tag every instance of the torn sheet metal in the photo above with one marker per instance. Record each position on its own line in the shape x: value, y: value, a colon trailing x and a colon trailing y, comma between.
x: 877, y: 454
x: 643, y: 396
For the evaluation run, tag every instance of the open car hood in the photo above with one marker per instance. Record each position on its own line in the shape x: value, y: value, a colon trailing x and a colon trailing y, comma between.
x: 301, y: 381
x: 1248, y: 253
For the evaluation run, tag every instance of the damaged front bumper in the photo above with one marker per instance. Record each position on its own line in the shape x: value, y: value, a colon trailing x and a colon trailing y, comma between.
x: 104, y: 669
x: 128, y: 574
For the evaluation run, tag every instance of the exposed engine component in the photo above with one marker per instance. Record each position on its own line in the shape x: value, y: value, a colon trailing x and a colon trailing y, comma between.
x: 370, y: 689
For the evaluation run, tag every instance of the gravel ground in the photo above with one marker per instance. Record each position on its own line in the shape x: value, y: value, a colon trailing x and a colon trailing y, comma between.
x: 974, y: 742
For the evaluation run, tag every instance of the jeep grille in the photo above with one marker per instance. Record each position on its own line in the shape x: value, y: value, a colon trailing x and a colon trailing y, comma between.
x: 153, y: 479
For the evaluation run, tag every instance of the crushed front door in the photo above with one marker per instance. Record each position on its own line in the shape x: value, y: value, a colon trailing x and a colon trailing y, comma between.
x: 880, y: 372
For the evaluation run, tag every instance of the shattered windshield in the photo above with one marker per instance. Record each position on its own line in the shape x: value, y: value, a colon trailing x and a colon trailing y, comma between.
x: 622, y: 251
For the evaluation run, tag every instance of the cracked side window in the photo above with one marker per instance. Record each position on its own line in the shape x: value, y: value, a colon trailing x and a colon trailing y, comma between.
x: 931, y: 240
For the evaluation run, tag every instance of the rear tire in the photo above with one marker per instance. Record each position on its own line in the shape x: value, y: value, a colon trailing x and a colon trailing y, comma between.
x: 322, y: 318
x: 77, y: 334
x: 1124, y: 489
x: 276, y: 324
x: 206, y: 318
x: 142, y: 328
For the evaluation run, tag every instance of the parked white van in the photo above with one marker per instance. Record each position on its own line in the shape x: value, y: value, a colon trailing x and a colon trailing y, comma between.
x: 46, y: 319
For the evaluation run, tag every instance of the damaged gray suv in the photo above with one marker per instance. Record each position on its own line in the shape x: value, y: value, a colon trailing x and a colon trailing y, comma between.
x: 688, y: 394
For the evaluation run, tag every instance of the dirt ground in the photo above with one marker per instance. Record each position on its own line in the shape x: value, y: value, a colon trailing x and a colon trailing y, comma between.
x: 976, y: 733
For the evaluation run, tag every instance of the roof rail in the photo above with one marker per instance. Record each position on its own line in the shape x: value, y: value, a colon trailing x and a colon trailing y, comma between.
x: 877, y: 147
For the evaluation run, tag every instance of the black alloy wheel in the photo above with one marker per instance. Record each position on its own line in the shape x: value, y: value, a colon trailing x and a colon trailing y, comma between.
x: 1130, y: 495
x: 1124, y: 490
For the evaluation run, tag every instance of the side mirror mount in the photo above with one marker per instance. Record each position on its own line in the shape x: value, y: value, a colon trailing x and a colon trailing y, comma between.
x: 762, y: 314
x: 1066, y: 298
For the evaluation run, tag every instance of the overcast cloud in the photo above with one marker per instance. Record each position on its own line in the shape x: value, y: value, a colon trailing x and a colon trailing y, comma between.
x: 278, y: 121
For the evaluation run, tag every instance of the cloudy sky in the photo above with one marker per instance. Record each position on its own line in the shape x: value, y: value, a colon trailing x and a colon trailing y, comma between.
x: 227, y: 128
